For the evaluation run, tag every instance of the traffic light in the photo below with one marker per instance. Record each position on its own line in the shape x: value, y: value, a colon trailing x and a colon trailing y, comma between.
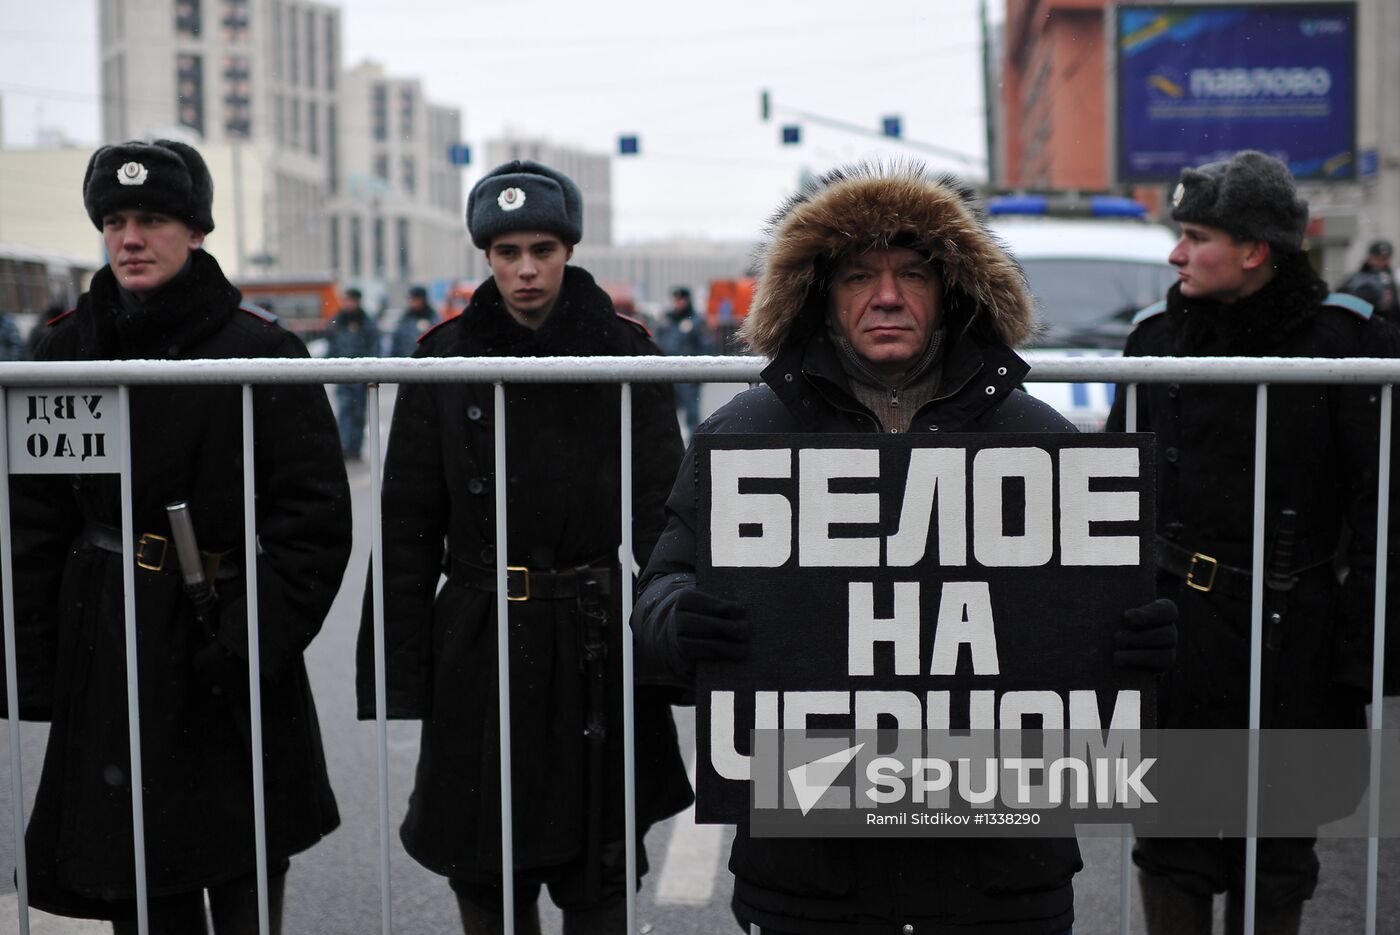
x: 792, y: 134
x: 765, y: 106
x: 890, y: 126
x: 628, y: 146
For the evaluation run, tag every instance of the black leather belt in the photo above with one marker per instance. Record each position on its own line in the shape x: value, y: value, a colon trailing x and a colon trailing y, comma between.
x: 1201, y: 571
x: 154, y: 551
x: 1205, y: 573
x: 533, y: 584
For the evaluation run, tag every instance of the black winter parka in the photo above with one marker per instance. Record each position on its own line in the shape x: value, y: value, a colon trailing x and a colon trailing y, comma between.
x: 563, y: 504
x: 185, y: 444
x: 868, y: 886
x: 1002, y: 886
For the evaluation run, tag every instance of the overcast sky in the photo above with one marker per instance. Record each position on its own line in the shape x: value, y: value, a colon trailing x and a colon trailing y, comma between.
x: 685, y: 77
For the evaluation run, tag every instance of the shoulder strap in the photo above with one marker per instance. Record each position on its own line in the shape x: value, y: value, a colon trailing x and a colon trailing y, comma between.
x: 1152, y: 311
x: 1350, y: 303
x: 635, y: 323
x: 424, y: 336
x: 257, y: 311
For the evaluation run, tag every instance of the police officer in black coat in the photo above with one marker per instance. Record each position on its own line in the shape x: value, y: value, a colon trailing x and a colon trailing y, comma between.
x: 563, y: 492
x: 886, y: 306
x: 1246, y: 289
x: 162, y: 297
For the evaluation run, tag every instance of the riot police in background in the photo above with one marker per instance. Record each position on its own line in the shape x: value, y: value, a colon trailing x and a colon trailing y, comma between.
x: 352, y: 333
x: 162, y: 297
x: 417, y: 318
x: 563, y: 490
x: 1375, y: 281
x: 683, y: 333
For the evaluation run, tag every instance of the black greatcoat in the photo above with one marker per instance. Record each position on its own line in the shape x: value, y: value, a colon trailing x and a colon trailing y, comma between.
x: 874, y: 886
x: 1321, y: 462
x: 197, y: 773
x: 563, y: 458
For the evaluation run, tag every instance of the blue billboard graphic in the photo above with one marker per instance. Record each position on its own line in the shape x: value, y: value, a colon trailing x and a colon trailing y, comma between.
x: 1197, y: 83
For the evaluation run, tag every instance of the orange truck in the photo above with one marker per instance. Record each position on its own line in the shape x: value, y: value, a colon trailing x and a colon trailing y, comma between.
x: 303, y: 305
x: 726, y: 309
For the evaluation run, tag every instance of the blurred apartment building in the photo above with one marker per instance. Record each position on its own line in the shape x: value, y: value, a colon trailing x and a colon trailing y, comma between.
x: 318, y: 171
x: 396, y: 209
x: 1054, y: 120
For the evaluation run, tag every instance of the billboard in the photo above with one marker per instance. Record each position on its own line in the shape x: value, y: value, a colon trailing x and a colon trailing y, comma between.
x: 1196, y: 83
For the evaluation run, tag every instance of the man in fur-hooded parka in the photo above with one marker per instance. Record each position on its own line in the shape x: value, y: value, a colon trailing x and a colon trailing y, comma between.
x: 1246, y: 289
x: 913, y: 238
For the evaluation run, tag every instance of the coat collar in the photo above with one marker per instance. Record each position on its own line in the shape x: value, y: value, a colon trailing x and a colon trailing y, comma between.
x: 583, y: 322
x: 977, y: 375
x: 1254, y: 325
x: 180, y: 316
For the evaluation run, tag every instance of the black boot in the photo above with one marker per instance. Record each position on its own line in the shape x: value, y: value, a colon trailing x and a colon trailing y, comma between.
x: 1167, y: 909
x: 1268, y: 920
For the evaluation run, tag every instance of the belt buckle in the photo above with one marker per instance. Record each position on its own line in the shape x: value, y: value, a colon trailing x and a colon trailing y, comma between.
x: 524, y: 574
x: 146, y: 539
x: 1191, y: 581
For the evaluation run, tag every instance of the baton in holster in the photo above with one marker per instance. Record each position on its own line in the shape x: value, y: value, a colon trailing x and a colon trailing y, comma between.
x: 198, y: 587
x: 1278, y: 578
x: 1278, y: 581
x: 595, y: 652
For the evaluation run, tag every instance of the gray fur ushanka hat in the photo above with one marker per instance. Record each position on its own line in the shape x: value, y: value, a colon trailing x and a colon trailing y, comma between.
x: 1250, y: 196
x: 871, y: 206
x: 522, y: 195
x: 163, y: 176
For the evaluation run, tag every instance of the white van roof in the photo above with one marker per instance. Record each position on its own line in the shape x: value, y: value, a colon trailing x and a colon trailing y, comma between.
x: 1047, y: 238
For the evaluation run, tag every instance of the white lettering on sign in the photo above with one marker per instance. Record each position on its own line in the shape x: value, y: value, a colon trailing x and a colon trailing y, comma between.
x: 822, y: 508
x: 63, y: 431
x: 1079, y: 506
x: 734, y: 514
x: 1023, y: 503
x: 1077, y: 711
x: 1260, y: 82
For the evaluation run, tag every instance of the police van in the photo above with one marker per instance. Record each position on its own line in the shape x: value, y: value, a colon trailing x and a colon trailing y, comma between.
x: 1092, y: 262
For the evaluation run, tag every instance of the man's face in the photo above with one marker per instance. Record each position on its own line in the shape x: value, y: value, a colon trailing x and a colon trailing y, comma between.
x: 147, y: 249
x: 887, y: 304
x: 1377, y: 260
x: 529, y: 271
x: 1211, y: 264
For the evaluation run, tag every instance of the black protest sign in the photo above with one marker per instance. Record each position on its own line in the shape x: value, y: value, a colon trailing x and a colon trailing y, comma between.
x: 919, y: 583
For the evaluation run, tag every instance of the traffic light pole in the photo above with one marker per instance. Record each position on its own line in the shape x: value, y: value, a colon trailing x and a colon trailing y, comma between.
x: 767, y: 107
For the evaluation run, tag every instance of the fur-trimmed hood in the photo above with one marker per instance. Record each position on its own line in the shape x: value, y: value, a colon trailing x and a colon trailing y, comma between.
x: 871, y: 206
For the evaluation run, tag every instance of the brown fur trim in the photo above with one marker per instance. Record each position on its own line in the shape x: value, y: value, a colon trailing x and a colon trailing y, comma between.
x: 869, y: 206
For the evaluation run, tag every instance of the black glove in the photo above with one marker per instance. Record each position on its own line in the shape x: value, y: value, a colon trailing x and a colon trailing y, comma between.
x: 1147, y: 639
x: 708, y: 627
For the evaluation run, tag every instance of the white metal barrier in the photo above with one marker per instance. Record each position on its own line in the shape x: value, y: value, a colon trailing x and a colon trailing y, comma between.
x: 622, y: 370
